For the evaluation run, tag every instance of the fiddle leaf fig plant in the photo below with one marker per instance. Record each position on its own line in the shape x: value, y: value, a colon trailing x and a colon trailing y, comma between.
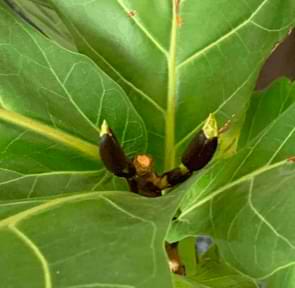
x: 155, y: 71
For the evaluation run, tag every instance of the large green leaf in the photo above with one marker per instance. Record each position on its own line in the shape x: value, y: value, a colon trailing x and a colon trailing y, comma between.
x: 89, y: 239
x: 99, y: 239
x: 274, y: 100
x: 247, y: 202
x: 52, y: 103
x: 170, y: 70
x: 161, y: 77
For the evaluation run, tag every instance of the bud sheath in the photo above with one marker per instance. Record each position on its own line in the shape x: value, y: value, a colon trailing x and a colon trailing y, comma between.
x: 112, y: 154
x: 202, y: 147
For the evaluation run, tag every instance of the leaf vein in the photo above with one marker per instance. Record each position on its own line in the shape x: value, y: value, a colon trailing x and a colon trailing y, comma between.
x: 232, y: 184
x: 144, y: 30
x: 187, y: 136
x: 263, y: 219
x: 50, y: 133
x: 36, y: 251
x: 57, y: 78
x: 128, y: 83
x: 222, y: 38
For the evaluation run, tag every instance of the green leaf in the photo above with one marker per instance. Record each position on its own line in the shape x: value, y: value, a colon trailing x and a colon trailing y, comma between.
x: 21, y: 186
x: 52, y: 103
x: 247, y: 202
x: 99, y: 239
x: 182, y: 282
x: 169, y: 70
x: 46, y: 20
x: 187, y: 252
x: 284, y: 278
x: 266, y: 106
x: 212, y: 272
x: 155, y: 81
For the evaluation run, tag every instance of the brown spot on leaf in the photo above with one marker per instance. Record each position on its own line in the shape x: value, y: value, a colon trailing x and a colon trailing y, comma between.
x: 291, y: 159
x: 132, y: 13
x: 179, y: 21
x: 177, y: 4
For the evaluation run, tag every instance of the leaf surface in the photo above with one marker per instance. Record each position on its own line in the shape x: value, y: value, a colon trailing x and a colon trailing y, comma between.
x: 212, y: 272
x: 246, y: 202
x: 266, y: 106
x: 284, y: 278
x: 170, y: 58
x: 98, y: 239
x: 52, y: 104
x: 157, y: 71
x: 45, y: 19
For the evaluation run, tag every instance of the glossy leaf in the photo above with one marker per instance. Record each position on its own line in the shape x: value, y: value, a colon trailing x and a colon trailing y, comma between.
x: 171, y: 58
x: 52, y: 103
x: 99, y: 239
x: 157, y: 71
x: 21, y: 186
x: 274, y: 100
x: 246, y: 202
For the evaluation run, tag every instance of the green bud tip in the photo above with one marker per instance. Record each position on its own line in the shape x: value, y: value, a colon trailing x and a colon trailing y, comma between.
x: 183, y: 169
x: 104, y: 129
x: 210, y: 127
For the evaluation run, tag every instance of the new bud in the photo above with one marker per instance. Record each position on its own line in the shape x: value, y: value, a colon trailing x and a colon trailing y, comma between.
x: 202, y: 147
x: 112, y: 154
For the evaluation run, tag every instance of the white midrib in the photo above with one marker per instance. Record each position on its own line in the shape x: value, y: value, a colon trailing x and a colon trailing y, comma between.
x: 171, y: 95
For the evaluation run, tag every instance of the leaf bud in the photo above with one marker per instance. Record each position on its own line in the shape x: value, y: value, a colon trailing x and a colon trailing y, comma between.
x: 202, y: 147
x: 112, y: 154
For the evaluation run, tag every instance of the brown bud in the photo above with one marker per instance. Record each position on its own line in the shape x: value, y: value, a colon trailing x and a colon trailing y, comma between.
x: 199, y: 152
x: 202, y: 147
x: 112, y: 154
x: 176, y: 176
